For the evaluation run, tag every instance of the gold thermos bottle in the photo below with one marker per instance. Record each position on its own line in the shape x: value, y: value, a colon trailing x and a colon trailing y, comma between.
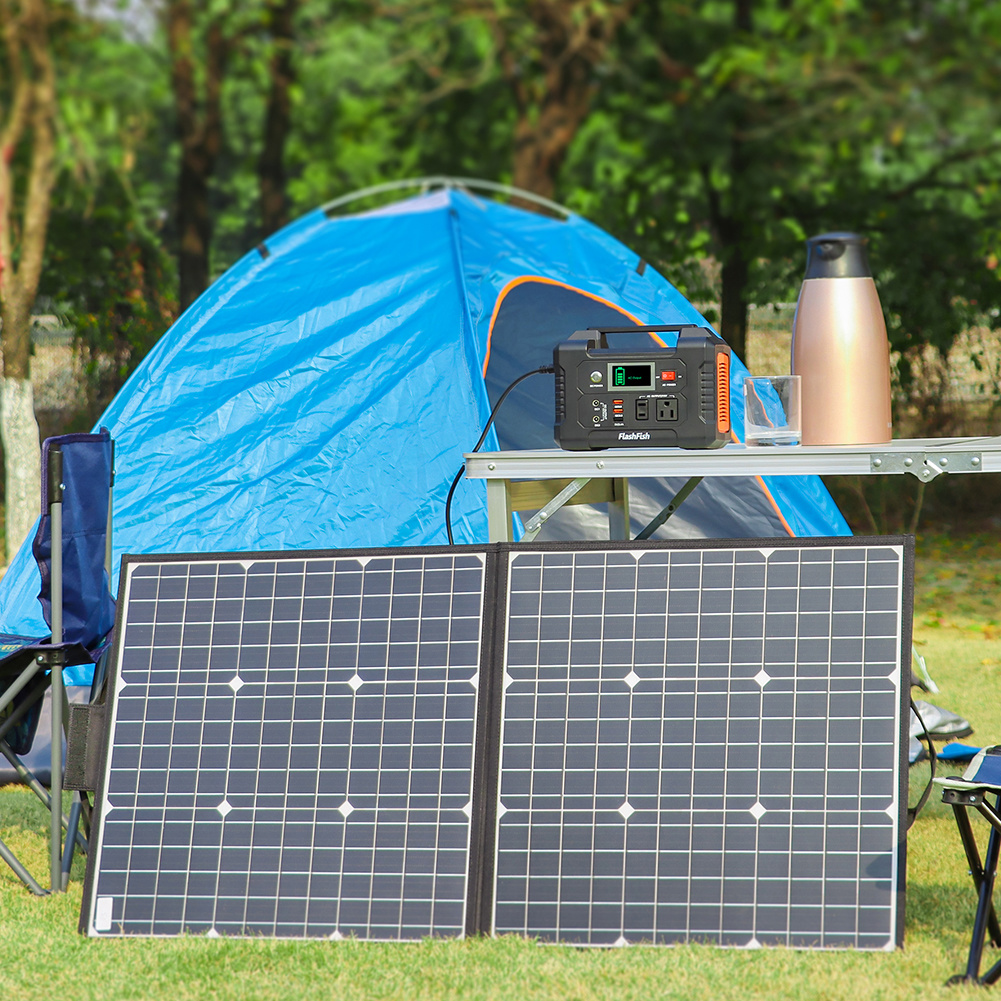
x: 839, y: 346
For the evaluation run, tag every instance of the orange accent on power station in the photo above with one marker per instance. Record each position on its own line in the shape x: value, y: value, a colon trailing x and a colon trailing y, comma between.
x: 723, y: 392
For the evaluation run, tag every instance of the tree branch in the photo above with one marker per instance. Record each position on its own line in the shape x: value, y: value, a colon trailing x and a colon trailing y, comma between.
x: 927, y: 179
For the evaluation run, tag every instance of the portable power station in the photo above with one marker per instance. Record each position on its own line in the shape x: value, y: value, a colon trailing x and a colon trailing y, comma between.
x: 623, y: 387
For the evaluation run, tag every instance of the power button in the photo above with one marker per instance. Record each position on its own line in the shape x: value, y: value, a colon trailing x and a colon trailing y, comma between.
x: 595, y: 377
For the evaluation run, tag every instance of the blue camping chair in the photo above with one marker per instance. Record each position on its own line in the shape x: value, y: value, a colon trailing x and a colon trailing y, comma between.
x: 72, y: 548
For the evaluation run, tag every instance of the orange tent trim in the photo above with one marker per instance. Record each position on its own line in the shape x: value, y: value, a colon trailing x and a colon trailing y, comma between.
x: 524, y: 279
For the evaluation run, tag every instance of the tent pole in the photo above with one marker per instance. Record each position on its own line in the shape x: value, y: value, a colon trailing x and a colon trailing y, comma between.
x: 447, y: 183
x: 676, y: 501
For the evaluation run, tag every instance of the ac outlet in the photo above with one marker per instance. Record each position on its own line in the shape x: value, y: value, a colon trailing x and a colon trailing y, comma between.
x: 667, y: 410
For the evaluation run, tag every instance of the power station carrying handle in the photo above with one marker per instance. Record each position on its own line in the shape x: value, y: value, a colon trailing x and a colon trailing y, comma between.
x: 629, y: 338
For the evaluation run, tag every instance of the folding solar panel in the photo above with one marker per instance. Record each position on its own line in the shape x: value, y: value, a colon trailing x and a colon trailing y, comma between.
x: 291, y: 748
x: 703, y: 744
x: 594, y: 743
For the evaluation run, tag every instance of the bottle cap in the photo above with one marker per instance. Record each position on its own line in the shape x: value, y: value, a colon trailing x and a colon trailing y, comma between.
x: 837, y: 255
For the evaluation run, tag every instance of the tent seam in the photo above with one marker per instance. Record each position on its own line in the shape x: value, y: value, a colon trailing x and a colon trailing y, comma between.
x: 457, y: 263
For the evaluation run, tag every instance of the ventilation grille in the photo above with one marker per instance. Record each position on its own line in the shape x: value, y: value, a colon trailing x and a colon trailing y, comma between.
x: 723, y: 392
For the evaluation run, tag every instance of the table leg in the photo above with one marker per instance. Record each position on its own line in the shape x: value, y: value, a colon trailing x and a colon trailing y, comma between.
x: 499, y: 528
x: 618, y: 510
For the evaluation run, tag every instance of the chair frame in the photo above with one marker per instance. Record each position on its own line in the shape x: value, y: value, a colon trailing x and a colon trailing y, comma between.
x: 51, y: 657
x: 984, y: 873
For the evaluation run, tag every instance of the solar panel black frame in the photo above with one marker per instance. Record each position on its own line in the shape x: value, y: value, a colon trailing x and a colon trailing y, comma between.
x: 484, y: 827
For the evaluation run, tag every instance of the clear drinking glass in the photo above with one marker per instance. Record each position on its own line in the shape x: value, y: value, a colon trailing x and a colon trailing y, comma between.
x: 772, y: 410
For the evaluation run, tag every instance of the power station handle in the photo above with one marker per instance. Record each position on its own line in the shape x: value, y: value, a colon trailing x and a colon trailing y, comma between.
x: 642, y: 339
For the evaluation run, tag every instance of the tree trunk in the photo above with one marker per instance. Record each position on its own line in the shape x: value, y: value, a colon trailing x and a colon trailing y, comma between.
x: 194, y: 224
x: 733, y: 304
x: 199, y: 128
x: 277, y: 119
x: 18, y: 427
x: 541, y: 141
x: 735, y: 270
x: 736, y: 266
x: 743, y: 11
x: 728, y: 224
x: 571, y: 39
x: 22, y: 459
x: 27, y: 125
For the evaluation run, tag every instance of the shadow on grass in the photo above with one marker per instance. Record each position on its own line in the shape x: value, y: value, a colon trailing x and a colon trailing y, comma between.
x: 941, y: 909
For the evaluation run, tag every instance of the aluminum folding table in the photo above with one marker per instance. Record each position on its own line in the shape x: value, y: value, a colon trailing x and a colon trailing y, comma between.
x: 543, y: 480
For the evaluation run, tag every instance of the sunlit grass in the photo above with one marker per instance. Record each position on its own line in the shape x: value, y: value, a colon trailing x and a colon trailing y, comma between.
x: 958, y: 583
x: 45, y: 956
x: 956, y: 631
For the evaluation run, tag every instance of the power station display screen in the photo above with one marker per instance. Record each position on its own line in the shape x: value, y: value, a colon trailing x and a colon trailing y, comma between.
x: 632, y: 376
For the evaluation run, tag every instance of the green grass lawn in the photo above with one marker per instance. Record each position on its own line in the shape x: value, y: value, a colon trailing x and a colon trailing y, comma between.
x: 958, y: 631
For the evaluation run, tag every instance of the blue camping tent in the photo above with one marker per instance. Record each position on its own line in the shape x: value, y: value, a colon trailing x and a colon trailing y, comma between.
x: 322, y: 392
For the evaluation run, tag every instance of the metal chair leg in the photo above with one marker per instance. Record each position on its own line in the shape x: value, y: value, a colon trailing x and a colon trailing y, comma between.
x: 984, y: 878
x: 11, y: 859
x: 976, y: 867
x: 56, y: 677
x: 71, y: 835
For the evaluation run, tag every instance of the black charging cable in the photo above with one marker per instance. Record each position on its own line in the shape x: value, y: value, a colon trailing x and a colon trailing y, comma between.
x: 913, y: 811
x: 544, y: 370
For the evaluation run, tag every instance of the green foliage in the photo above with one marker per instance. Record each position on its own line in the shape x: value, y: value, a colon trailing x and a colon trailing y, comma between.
x: 107, y: 272
x: 355, y: 111
x: 114, y: 105
x: 112, y: 282
x: 354, y: 118
x: 706, y: 139
x: 827, y: 115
